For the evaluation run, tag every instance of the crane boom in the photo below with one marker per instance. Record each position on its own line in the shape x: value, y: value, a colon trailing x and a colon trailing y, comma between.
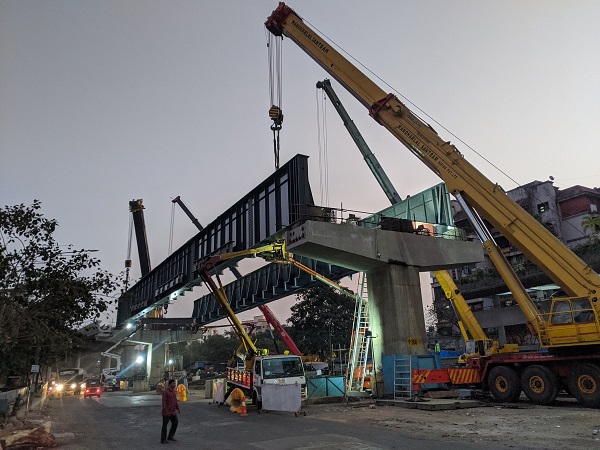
x: 287, y: 340
x: 188, y: 212
x: 464, y: 181
x: 462, y: 308
x: 269, y: 251
x: 274, y: 252
x: 137, y: 211
x: 363, y: 147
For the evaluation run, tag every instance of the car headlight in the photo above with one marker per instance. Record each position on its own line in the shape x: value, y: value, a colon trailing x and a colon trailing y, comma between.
x: 73, y: 385
x: 59, y: 387
x: 83, y: 385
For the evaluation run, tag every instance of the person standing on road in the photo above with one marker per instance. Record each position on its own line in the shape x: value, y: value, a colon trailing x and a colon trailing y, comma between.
x: 170, y: 409
x: 437, y: 347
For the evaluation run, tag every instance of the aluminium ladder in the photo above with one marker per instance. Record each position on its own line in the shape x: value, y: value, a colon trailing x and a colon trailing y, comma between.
x: 361, y: 340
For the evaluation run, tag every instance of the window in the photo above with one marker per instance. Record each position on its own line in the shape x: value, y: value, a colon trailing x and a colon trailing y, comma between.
x: 283, y: 367
x: 543, y: 207
x: 562, y: 313
x: 582, y: 310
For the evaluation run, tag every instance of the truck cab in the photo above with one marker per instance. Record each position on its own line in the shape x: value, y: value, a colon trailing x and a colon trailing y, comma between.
x: 276, y: 370
x: 70, y: 381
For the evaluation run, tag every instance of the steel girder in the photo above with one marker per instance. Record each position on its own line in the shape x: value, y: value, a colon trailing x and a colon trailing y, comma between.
x: 260, y: 216
x: 269, y: 283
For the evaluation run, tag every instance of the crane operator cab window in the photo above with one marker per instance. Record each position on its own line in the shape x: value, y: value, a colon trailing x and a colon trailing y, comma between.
x: 569, y: 311
x: 582, y: 310
x: 561, y: 313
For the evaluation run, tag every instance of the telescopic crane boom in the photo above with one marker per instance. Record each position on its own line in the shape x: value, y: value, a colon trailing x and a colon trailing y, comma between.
x: 362, y: 145
x: 204, y: 268
x: 275, y: 252
x: 137, y: 212
x: 188, y: 212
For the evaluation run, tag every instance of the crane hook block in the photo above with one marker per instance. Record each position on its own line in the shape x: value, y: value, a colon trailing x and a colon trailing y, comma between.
x: 276, y: 116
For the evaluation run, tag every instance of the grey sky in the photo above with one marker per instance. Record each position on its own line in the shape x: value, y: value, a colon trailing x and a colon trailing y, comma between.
x: 105, y: 101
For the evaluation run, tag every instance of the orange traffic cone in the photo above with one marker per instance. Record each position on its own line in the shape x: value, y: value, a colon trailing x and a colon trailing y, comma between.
x: 243, y: 413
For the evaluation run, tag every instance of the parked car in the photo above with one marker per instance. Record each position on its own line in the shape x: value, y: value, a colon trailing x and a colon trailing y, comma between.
x: 92, y: 387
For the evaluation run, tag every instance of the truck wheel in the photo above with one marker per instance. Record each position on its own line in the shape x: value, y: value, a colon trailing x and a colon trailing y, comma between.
x: 584, y: 384
x: 504, y: 384
x: 539, y: 384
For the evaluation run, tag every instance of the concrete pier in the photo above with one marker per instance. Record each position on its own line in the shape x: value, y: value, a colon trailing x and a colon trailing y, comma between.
x: 392, y: 261
x: 396, y: 311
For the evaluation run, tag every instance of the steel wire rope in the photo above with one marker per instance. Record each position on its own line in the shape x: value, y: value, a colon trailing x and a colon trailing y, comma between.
x: 322, y: 146
x: 275, y: 69
x: 128, y: 259
x: 430, y: 117
x: 172, y: 228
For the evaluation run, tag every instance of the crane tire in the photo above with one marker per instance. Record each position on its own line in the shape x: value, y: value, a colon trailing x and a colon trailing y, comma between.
x: 584, y: 384
x: 504, y: 384
x: 539, y: 384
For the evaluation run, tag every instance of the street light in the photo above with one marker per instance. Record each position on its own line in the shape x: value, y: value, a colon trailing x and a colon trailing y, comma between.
x: 140, y: 359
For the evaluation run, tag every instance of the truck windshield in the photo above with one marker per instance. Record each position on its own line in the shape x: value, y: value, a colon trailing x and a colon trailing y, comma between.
x: 282, y: 367
x: 70, y: 376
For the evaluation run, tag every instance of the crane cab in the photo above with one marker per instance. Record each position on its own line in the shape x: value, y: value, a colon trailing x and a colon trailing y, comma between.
x: 571, y: 321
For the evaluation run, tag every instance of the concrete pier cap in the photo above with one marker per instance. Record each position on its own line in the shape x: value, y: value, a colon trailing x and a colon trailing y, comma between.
x: 392, y: 261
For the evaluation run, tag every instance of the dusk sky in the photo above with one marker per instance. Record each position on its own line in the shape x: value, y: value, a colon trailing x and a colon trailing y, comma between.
x: 106, y: 101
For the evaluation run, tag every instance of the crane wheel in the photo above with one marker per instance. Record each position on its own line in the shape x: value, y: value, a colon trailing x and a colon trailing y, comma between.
x: 539, y: 384
x: 584, y: 384
x: 504, y: 384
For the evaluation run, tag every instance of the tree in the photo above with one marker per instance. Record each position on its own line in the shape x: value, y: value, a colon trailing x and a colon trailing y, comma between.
x: 45, y: 292
x: 320, y: 319
x: 591, y: 223
x: 270, y: 341
x: 440, y: 316
x: 216, y: 348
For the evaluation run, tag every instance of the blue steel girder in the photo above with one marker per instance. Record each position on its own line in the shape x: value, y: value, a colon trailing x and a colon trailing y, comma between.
x: 260, y: 216
x: 271, y: 282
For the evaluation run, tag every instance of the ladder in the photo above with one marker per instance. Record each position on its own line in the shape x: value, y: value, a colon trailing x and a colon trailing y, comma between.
x: 361, y: 340
x: 402, y: 376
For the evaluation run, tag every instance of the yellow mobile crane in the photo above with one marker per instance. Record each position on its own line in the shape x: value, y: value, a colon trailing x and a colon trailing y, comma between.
x: 571, y: 330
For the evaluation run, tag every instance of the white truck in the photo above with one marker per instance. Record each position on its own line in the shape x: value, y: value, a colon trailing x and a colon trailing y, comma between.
x: 276, y: 370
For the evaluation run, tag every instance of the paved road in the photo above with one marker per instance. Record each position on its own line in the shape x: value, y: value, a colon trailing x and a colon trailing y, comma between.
x: 122, y: 420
